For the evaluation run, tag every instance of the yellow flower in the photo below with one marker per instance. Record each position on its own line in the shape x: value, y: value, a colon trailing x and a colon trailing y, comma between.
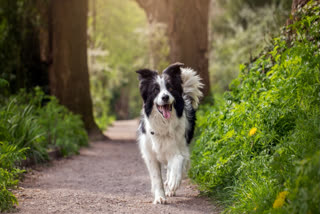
x: 278, y: 203
x: 283, y: 194
x: 253, y: 131
x: 280, y: 199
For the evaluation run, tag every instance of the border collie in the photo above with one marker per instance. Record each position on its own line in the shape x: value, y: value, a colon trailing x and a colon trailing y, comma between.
x: 167, y: 124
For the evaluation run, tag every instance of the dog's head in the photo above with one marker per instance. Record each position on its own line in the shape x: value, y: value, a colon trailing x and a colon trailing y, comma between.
x: 162, y: 91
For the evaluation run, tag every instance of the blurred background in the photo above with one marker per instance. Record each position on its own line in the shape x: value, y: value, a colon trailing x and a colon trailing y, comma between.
x: 123, y: 36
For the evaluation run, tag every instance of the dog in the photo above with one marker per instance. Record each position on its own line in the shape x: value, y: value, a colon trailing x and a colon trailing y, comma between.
x: 167, y: 124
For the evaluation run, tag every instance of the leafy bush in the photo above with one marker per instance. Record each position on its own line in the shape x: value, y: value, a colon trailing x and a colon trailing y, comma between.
x: 9, y: 155
x: 258, y: 148
x: 63, y: 129
x: 20, y: 127
x: 30, y: 129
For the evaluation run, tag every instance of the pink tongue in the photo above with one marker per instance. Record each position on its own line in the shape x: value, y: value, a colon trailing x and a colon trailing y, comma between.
x: 166, y: 114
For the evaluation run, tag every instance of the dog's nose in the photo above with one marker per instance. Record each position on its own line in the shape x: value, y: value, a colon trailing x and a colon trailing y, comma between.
x: 165, y: 98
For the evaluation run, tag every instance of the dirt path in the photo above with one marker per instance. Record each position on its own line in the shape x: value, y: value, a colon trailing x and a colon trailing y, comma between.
x: 107, y: 177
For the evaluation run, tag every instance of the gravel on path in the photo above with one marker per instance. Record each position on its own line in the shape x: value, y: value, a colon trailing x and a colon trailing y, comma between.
x: 107, y: 177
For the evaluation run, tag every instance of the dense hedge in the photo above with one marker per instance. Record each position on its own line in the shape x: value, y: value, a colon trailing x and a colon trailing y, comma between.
x: 258, y: 148
x: 29, y: 129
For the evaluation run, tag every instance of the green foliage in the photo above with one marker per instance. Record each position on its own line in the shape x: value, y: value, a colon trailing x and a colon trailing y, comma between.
x: 19, y: 126
x: 30, y: 129
x: 159, y: 49
x: 240, y: 31
x: 9, y: 155
x: 305, y: 186
x: 20, y: 62
x: 63, y: 129
x: 261, y: 140
x: 117, y: 48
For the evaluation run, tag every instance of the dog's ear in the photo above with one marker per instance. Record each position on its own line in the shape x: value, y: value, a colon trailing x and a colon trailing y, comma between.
x: 145, y: 77
x: 174, y: 69
x: 146, y: 74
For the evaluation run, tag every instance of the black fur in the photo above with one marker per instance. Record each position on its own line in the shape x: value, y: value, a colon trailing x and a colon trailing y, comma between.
x: 173, y: 69
x: 172, y: 76
x: 142, y: 125
x: 149, y: 89
x: 191, y: 117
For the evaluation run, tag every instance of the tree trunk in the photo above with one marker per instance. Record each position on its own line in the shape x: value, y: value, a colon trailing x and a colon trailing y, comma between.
x: 69, y: 78
x: 187, y: 31
x: 45, y: 31
x: 188, y: 36
x: 122, y: 105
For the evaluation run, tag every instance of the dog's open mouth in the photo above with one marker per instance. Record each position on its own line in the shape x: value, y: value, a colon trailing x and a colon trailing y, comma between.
x: 165, y: 110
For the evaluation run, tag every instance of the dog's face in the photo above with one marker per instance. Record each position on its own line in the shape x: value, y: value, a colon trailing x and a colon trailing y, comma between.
x: 162, y: 91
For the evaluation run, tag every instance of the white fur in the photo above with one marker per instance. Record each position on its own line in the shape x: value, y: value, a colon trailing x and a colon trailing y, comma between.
x: 191, y: 84
x: 163, y: 91
x: 164, y: 141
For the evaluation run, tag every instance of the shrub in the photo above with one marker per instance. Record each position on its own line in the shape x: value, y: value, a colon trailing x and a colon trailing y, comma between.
x: 20, y: 127
x: 63, y: 129
x: 30, y: 129
x: 258, y: 148
x: 9, y: 155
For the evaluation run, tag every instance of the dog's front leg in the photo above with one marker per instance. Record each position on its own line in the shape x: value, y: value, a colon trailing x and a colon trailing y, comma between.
x: 154, y: 169
x: 166, y: 184
x: 174, y: 174
x: 156, y: 182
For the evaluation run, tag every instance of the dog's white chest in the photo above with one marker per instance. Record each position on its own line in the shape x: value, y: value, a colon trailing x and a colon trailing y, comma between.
x: 167, y: 136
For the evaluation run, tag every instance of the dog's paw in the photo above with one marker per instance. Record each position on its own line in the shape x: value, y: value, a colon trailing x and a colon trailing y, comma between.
x: 159, y: 200
x: 170, y: 193
x: 174, y: 183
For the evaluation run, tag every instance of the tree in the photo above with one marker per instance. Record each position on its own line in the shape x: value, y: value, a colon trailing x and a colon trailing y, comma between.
x: 187, y: 31
x: 68, y: 74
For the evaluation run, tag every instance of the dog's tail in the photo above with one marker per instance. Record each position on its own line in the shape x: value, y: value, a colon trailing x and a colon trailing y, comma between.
x: 191, y: 83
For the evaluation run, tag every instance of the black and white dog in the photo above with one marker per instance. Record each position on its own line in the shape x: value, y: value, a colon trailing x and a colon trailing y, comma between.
x: 167, y: 124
